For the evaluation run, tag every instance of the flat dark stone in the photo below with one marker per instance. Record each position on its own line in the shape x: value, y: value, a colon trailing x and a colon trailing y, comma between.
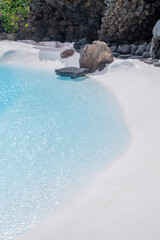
x: 72, y: 72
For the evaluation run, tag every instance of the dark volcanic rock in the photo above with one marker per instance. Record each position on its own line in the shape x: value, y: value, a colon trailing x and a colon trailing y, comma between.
x: 140, y: 50
x: 101, y: 67
x: 150, y: 61
x: 69, y: 20
x: 129, y: 20
x: 148, y: 48
x: 156, y: 64
x: 72, y: 72
x: 134, y: 48
x: 125, y: 56
x: 136, y: 57
x: 106, y: 20
x: 124, y: 49
x: 115, y: 54
x: 78, y: 46
x: 114, y: 48
x: 146, y: 55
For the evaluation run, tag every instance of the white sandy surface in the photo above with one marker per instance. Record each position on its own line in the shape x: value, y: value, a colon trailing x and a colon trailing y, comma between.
x: 123, y: 202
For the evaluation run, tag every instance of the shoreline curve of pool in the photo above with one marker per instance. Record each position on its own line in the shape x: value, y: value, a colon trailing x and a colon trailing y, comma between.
x: 56, y: 134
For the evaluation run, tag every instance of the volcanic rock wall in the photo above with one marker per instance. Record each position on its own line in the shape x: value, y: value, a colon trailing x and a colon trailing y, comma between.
x: 66, y: 19
x: 108, y: 20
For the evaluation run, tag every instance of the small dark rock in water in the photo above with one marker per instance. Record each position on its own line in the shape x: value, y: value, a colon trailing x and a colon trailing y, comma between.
x: 67, y: 53
x: 72, y: 72
x: 156, y: 64
x: 124, y: 56
x: 78, y: 46
x: 101, y: 67
x: 115, y: 54
x: 124, y: 49
x: 146, y: 55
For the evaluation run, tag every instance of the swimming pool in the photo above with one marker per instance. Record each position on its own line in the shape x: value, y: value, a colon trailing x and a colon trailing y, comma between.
x: 55, y: 135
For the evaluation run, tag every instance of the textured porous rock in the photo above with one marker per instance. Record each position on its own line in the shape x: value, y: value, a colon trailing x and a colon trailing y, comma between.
x: 72, y: 72
x: 67, y: 53
x: 66, y: 20
x: 155, y: 46
x: 93, y: 55
x: 130, y: 20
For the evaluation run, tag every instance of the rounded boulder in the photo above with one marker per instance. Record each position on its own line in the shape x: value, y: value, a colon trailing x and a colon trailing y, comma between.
x: 95, y: 54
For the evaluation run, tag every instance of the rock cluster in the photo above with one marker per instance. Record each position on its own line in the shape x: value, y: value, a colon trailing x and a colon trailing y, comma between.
x: 141, y: 52
x: 129, y: 20
x: 134, y: 51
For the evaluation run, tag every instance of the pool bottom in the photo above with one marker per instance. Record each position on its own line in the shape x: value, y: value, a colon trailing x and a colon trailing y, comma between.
x: 55, y: 136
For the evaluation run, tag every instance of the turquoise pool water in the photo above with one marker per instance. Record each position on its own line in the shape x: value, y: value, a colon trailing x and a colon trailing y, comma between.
x: 55, y: 135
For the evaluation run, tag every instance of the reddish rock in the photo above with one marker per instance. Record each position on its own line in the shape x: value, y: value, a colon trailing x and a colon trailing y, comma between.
x: 67, y: 53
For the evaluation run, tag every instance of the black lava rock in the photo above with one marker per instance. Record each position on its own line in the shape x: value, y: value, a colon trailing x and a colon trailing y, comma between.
x: 141, y: 49
x: 101, y: 67
x: 78, y: 46
x: 146, y: 55
x: 124, y: 49
x: 134, y: 48
x: 115, y: 54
